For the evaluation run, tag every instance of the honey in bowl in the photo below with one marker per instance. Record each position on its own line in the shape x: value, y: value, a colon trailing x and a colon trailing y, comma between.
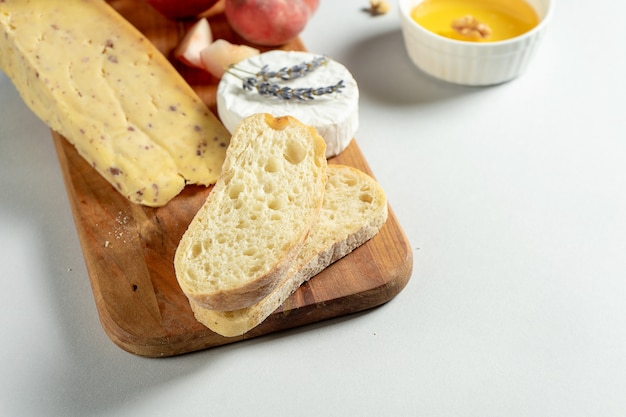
x: 476, y: 20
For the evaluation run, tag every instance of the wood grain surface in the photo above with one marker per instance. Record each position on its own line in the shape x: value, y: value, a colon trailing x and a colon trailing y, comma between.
x: 129, y: 249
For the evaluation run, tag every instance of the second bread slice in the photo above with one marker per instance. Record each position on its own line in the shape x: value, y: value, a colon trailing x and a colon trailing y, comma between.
x: 354, y: 210
x: 255, y: 220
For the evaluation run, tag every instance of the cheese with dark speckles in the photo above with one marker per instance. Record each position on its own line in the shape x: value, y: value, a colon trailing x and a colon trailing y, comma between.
x: 94, y: 78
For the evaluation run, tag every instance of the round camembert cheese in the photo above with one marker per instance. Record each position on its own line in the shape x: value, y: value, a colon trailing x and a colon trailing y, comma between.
x: 334, y: 115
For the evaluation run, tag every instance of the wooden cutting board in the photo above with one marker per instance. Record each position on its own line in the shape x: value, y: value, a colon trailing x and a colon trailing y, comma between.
x: 129, y: 249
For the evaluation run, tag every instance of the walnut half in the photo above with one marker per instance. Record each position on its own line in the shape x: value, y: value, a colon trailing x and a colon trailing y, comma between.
x: 379, y: 7
x: 471, y: 27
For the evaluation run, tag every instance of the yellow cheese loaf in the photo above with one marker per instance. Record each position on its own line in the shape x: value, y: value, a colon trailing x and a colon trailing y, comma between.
x: 94, y: 78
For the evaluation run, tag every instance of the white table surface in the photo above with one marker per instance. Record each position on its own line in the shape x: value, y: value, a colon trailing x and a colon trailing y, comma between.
x: 513, y: 199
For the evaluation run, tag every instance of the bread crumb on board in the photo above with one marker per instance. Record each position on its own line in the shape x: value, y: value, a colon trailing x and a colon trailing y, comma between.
x: 120, y: 229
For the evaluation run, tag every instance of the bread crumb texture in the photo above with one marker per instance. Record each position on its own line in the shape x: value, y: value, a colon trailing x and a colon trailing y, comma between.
x: 257, y: 216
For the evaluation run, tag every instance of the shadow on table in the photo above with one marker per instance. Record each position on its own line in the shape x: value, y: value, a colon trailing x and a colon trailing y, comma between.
x: 385, y: 73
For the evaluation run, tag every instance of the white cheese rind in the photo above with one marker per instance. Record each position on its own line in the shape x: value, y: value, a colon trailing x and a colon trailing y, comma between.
x: 335, y: 116
x: 95, y: 79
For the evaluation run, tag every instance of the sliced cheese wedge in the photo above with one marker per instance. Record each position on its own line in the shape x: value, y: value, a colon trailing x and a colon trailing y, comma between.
x: 94, y: 78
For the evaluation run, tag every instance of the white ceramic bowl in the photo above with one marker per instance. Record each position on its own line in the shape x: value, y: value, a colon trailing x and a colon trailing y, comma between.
x: 471, y: 63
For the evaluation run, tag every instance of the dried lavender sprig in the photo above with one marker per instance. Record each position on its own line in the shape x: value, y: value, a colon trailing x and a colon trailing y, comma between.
x: 295, y: 71
x: 285, y: 73
x: 288, y: 93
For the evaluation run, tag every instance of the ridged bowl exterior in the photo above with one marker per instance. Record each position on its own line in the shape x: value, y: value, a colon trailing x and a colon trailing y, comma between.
x: 471, y: 63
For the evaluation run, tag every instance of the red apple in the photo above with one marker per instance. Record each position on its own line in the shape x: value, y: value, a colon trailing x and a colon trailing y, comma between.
x: 269, y: 22
x: 179, y: 9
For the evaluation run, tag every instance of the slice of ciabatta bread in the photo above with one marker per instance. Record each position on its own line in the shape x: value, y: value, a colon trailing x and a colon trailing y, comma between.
x: 354, y: 210
x: 254, y: 222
